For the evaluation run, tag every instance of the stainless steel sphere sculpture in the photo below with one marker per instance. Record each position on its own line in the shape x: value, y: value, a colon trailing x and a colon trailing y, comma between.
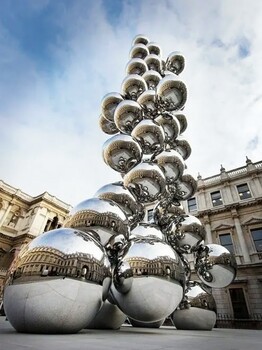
x: 108, y: 263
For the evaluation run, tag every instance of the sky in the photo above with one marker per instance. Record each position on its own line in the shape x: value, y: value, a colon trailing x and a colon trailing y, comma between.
x: 59, y: 58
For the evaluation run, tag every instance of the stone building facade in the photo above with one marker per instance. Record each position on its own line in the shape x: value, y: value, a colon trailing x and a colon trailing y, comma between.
x: 229, y: 205
x: 23, y: 217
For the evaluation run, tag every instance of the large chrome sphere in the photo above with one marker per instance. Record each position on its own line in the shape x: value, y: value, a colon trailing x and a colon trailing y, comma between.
x: 109, y: 103
x: 108, y: 317
x: 147, y: 230
x: 175, y: 62
x: 166, y: 213
x: 187, y: 234
x: 140, y: 39
x: 150, y: 136
x: 148, y: 102
x: 139, y: 51
x: 152, y: 79
x: 156, y: 324
x: 100, y: 217
x: 182, y: 121
x: 120, y: 195
x: 136, y: 66
x: 122, y: 153
x: 170, y: 125
x: 186, y: 186
x: 127, y: 115
x: 107, y: 126
x: 182, y: 146
x: 172, y: 164
x: 149, y: 281
x: 154, y: 48
x: 197, y: 311
x: 216, y: 266
x: 57, y: 283
x: 173, y: 92
x: 133, y: 86
x: 154, y: 63
x: 146, y: 182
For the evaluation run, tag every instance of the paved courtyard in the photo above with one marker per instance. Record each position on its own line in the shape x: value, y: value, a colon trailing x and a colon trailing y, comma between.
x: 133, y: 338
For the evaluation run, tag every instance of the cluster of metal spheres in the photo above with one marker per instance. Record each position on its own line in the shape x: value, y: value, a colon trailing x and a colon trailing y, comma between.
x: 108, y: 263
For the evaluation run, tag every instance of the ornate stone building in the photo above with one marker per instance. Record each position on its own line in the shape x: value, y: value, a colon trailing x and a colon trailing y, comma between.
x: 229, y: 205
x: 23, y: 217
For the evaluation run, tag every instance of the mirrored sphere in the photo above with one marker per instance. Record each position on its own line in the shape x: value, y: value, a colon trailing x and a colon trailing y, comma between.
x: 175, y: 62
x: 148, y: 102
x: 172, y: 164
x: 133, y: 86
x: 182, y: 146
x: 173, y: 92
x: 147, y: 230
x: 139, y: 51
x: 140, y: 39
x: 100, y: 217
x: 150, y: 136
x: 154, y: 48
x: 106, y: 126
x: 57, y: 283
x: 152, y: 79
x: 109, y: 103
x: 122, y: 153
x: 154, y: 62
x: 120, y: 195
x: 187, y: 234
x: 216, y: 267
x: 108, y: 317
x: 157, y: 281
x: 127, y: 115
x: 166, y: 213
x: 182, y: 121
x: 187, y: 186
x: 146, y: 182
x: 136, y: 66
x: 197, y: 311
x: 171, y: 127
x: 156, y: 324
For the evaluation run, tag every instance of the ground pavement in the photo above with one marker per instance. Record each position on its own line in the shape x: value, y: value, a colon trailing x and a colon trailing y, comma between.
x: 131, y: 338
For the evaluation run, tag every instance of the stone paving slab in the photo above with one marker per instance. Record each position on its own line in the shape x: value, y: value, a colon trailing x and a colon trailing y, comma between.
x: 131, y: 338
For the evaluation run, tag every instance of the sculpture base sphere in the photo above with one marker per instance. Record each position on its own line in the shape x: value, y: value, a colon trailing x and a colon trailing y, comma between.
x: 194, y: 319
x: 156, y: 324
x: 52, y: 306
x: 108, y: 317
x: 150, y: 299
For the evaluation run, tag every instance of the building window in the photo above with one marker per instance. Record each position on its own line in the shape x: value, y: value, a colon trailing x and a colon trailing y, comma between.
x: 243, y: 191
x: 238, y: 303
x: 216, y: 198
x: 150, y: 213
x: 191, y: 203
x: 226, y: 241
x: 257, y: 238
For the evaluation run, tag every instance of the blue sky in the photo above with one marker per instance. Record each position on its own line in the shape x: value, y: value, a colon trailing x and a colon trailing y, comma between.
x: 59, y: 58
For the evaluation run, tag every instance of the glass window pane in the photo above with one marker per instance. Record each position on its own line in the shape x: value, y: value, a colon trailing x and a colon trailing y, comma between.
x: 225, y: 239
x: 243, y: 191
x: 257, y: 238
x: 192, y: 204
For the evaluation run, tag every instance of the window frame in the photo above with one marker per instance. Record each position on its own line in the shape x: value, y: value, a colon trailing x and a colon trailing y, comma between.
x: 189, y: 206
x: 256, y: 240
x: 213, y: 200
x: 226, y: 245
x: 245, y: 194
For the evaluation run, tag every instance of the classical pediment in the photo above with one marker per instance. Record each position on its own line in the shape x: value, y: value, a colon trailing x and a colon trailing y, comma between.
x: 222, y: 227
x: 253, y: 220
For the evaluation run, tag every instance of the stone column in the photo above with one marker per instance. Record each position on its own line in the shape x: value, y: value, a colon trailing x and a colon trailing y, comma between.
x: 5, y: 214
x: 208, y: 239
x: 240, y: 236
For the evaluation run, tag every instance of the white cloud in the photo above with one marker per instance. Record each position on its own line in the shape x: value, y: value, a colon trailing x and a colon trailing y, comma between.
x: 50, y: 138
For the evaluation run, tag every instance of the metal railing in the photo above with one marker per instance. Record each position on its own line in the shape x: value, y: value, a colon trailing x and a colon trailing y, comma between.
x: 229, y: 321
